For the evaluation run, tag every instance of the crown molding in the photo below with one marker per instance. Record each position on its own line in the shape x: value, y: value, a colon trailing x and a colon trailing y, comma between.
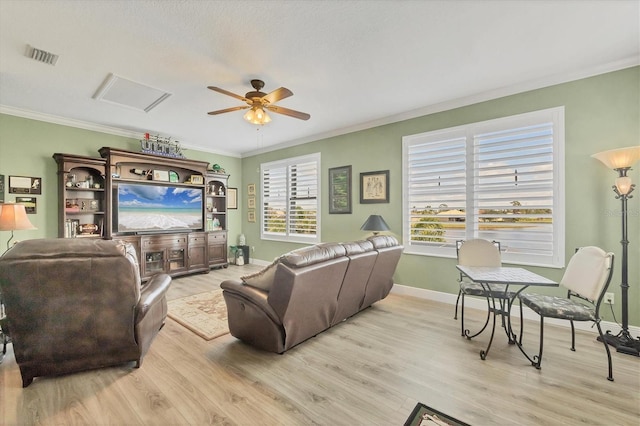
x: 462, y: 102
x: 85, y: 125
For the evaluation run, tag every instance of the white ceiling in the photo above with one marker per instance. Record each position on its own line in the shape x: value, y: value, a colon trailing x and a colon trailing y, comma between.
x: 350, y: 64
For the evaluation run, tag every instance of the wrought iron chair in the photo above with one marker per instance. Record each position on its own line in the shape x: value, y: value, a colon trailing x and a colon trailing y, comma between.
x: 586, y: 279
x: 480, y: 252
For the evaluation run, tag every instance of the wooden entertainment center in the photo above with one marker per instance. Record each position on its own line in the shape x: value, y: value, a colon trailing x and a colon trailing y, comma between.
x: 88, y: 207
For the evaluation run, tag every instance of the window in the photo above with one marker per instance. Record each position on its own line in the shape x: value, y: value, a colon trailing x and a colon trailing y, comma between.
x: 499, y: 180
x: 290, y: 202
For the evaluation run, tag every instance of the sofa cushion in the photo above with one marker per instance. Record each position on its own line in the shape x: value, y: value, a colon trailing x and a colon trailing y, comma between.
x: 262, y: 279
x: 357, y: 247
x: 382, y: 241
x: 314, y: 254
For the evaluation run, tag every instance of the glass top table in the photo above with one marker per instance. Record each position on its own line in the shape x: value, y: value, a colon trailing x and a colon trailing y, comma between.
x: 507, y: 276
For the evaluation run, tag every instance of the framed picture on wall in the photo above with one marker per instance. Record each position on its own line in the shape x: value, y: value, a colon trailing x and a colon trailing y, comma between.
x: 251, y: 216
x: 251, y: 189
x: 251, y: 202
x: 30, y: 205
x: 340, y: 190
x: 232, y: 198
x: 374, y: 187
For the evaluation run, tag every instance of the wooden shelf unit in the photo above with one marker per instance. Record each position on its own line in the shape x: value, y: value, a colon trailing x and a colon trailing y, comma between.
x: 175, y: 253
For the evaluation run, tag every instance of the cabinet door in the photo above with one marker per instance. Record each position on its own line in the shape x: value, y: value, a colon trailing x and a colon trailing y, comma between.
x: 217, y: 249
x: 198, y: 252
x: 154, y: 262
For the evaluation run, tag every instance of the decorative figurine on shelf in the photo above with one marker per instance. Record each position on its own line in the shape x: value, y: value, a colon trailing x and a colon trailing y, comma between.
x: 217, y: 169
x: 221, y: 192
x: 242, y: 241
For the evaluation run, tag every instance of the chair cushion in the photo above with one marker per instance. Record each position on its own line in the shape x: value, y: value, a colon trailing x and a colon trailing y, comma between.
x: 558, y: 307
x: 497, y: 290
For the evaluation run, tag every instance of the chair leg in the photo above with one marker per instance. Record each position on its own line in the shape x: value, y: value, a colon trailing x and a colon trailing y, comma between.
x: 573, y: 336
x: 455, y: 315
x: 462, y: 314
x: 538, y: 358
x: 606, y: 346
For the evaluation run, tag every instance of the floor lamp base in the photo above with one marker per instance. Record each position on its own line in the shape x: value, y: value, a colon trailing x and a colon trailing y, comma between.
x: 623, y: 342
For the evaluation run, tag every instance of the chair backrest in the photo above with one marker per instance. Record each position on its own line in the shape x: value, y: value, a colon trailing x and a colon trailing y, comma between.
x: 588, y: 272
x: 478, y: 252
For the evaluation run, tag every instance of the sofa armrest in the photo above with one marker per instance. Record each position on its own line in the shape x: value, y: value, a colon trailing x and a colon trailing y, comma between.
x: 151, y: 293
x: 252, y: 294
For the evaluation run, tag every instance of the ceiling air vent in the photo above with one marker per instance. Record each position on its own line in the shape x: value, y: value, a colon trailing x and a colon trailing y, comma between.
x: 127, y: 93
x: 42, y: 55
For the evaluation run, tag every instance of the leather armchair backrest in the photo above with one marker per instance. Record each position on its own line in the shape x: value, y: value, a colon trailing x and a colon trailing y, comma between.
x: 362, y: 257
x: 381, y: 278
x: 305, y: 297
x: 69, y: 298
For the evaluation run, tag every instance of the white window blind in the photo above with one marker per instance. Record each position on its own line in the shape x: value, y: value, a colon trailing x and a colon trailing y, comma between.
x: 498, y: 180
x: 290, y: 203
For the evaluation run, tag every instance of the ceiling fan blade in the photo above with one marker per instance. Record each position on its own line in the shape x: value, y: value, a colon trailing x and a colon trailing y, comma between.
x: 226, y: 92
x: 277, y: 95
x: 289, y: 112
x: 222, y: 111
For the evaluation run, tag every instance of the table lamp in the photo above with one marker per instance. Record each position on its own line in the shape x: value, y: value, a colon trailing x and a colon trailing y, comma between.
x: 621, y: 161
x: 375, y: 223
x: 13, y: 217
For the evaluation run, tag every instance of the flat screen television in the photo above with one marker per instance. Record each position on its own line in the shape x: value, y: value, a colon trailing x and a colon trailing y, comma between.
x: 156, y: 207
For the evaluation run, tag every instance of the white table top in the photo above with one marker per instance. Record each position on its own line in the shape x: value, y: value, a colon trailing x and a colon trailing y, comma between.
x: 504, y: 275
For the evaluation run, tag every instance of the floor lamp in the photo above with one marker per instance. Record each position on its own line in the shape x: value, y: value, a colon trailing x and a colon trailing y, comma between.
x: 13, y: 217
x: 621, y: 161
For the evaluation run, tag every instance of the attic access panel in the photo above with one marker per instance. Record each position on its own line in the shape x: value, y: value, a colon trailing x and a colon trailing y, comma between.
x: 120, y: 91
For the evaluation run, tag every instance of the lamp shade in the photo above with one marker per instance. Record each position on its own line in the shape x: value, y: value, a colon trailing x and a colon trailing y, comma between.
x: 13, y: 217
x: 375, y: 223
x: 619, y: 158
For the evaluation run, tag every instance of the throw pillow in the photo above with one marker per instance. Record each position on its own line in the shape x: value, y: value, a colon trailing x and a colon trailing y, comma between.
x: 264, y: 278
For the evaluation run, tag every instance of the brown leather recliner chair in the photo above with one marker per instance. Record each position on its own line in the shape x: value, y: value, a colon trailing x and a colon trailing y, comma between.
x: 78, y: 304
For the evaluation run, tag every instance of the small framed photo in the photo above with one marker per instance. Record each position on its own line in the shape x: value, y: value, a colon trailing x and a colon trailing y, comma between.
x: 30, y: 205
x: 374, y: 187
x: 251, y: 216
x: 232, y: 198
x: 340, y: 190
x: 251, y: 202
x: 251, y: 189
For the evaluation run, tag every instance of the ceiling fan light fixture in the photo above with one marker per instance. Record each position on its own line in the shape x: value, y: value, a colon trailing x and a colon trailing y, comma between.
x: 257, y: 115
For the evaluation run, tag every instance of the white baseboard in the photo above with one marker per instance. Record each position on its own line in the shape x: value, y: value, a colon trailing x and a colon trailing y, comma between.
x: 478, y: 303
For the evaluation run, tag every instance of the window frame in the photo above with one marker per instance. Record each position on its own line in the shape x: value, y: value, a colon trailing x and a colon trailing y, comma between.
x: 287, y: 163
x: 469, y: 132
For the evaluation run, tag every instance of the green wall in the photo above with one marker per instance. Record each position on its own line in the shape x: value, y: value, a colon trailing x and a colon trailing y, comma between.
x: 601, y: 113
x: 26, y: 149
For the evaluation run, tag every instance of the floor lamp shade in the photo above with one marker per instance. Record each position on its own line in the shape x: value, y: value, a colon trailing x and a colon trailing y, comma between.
x: 621, y: 160
x: 13, y: 217
x: 375, y: 223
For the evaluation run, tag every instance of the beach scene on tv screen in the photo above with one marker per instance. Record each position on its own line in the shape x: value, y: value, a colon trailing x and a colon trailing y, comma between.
x: 158, y: 208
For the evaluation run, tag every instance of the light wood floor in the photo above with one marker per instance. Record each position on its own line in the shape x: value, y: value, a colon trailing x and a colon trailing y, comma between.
x: 369, y: 370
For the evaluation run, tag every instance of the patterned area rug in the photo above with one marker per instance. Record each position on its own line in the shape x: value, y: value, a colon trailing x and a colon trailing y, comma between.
x: 427, y: 416
x: 205, y: 314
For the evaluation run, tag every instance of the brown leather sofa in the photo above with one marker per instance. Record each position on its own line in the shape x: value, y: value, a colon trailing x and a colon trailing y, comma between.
x: 306, y: 291
x: 78, y: 304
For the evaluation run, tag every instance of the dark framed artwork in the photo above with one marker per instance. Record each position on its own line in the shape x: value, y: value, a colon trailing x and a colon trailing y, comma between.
x: 30, y: 205
x: 25, y: 185
x: 374, y: 187
x: 232, y: 198
x: 1, y: 188
x: 340, y: 190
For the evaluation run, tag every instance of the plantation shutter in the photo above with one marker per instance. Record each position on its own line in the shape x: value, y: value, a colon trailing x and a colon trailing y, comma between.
x: 303, y: 198
x: 436, y: 174
x: 274, y: 200
x: 513, y: 188
x: 290, y: 203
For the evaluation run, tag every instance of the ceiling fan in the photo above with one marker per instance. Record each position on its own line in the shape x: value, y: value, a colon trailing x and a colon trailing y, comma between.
x: 258, y: 103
